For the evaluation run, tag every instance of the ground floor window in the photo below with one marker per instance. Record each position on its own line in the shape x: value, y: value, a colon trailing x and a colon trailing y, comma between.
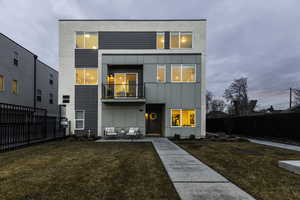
x: 183, y: 118
x: 79, y: 119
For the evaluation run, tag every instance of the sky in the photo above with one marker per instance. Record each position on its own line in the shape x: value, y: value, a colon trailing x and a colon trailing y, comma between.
x: 245, y: 38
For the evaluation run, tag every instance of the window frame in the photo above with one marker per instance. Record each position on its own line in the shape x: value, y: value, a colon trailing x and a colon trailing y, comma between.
x: 17, y: 87
x: 51, y: 98
x: 83, y: 120
x: 179, y: 36
x: 181, y: 67
x: 75, y: 42
x: 37, y: 95
x: 162, y: 33
x: 16, y: 59
x: 3, y: 83
x: 165, y: 72
x: 96, y: 68
x: 171, y: 125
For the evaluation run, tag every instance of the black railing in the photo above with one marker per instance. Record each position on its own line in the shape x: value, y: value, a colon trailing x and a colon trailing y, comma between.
x: 22, y: 125
x: 121, y: 91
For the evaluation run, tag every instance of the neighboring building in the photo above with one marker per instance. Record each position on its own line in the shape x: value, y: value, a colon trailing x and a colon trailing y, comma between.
x: 20, y: 83
x: 133, y: 73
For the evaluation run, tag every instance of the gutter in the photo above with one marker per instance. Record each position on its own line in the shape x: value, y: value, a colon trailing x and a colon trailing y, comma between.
x: 34, y: 81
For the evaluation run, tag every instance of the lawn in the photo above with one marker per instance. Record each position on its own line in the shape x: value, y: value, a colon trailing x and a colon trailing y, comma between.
x: 84, y: 170
x: 252, y: 167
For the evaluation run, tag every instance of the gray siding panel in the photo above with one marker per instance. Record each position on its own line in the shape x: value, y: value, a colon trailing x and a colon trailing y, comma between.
x: 86, y: 98
x: 127, y: 40
x: 86, y: 58
x: 167, y: 40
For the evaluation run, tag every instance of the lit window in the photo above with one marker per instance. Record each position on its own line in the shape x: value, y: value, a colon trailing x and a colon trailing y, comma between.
x: 79, y: 119
x: 1, y: 83
x: 183, y: 118
x: 14, y: 87
x: 39, y: 95
x: 183, y: 73
x: 87, y: 76
x: 176, y: 117
x: 87, y: 40
x: 182, y: 40
x: 161, y: 73
x: 50, y: 98
x: 160, y: 40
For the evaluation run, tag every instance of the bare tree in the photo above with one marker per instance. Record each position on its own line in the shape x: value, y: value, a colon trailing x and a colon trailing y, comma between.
x: 237, y: 95
x: 218, y: 105
x: 209, y: 98
x: 296, y: 96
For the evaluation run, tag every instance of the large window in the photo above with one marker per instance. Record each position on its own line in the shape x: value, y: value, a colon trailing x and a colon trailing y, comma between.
x: 86, y: 40
x: 1, y: 83
x: 87, y: 76
x: 160, y: 40
x: 183, y: 73
x: 14, y: 87
x: 161, y: 73
x: 79, y: 119
x: 183, y: 118
x: 182, y: 40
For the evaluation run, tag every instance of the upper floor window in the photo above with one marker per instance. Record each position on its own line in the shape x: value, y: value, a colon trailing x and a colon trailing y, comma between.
x: 50, y: 98
x: 66, y: 98
x: 160, y: 40
x: 183, y: 40
x: 16, y: 58
x: 87, y: 76
x: 183, y: 73
x: 86, y: 40
x: 1, y: 83
x: 39, y: 95
x: 161, y: 73
x: 51, y: 79
x: 14, y: 87
x: 183, y: 118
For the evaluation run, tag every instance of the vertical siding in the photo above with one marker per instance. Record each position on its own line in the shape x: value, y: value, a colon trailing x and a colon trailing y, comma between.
x: 86, y: 58
x: 167, y: 40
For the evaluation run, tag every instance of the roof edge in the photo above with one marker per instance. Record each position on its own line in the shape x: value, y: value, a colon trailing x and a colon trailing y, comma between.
x: 132, y: 20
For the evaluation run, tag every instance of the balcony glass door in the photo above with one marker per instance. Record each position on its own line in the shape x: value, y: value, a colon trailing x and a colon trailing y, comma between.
x: 126, y: 85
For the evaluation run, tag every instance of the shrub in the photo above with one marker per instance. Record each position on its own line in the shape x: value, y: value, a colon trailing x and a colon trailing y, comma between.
x: 176, y: 137
x: 192, y: 137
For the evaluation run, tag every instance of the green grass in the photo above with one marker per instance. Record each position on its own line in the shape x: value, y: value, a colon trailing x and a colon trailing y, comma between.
x: 84, y: 170
x: 252, y: 167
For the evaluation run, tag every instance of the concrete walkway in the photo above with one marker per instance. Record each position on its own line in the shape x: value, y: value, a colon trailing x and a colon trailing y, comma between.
x: 276, y: 144
x: 192, y: 179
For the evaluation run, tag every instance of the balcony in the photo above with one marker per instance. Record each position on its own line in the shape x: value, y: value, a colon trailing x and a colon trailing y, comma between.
x: 123, y: 93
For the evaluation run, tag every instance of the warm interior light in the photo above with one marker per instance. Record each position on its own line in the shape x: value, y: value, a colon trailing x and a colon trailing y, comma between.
x: 87, y: 35
x: 87, y: 73
x: 183, y: 40
x: 94, y: 47
x: 162, y: 41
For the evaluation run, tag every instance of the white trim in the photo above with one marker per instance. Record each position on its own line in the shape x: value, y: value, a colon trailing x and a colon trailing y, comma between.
x: 83, y: 120
x: 94, y: 68
x: 181, y: 66
x: 163, y: 33
x: 195, y: 111
x: 179, y: 35
x: 165, y: 71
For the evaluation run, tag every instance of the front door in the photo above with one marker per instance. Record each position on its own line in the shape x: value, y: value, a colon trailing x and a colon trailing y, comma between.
x: 126, y: 85
x: 153, y: 119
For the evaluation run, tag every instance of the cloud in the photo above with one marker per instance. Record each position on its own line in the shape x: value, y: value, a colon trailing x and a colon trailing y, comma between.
x: 256, y: 39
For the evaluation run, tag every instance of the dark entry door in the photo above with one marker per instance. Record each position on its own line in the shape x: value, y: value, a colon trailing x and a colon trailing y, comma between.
x: 154, y: 118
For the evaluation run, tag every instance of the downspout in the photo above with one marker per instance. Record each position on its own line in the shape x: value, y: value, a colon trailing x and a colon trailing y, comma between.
x: 34, y: 81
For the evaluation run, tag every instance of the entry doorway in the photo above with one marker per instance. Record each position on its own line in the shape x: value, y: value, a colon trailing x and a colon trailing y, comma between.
x: 154, y: 117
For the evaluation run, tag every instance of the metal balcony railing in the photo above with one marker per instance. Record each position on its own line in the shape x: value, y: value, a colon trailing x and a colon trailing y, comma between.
x: 121, y: 91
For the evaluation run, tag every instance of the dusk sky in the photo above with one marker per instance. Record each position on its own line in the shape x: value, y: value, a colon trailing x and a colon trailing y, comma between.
x: 257, y: 39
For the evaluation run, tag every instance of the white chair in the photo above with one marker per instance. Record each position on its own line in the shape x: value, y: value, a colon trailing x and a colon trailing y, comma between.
x: 110, y: 131
x: 133, y: 131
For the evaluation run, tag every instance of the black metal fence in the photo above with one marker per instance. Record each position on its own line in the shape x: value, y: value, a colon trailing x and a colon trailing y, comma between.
x: 22, y: 125
x: 277, y: 125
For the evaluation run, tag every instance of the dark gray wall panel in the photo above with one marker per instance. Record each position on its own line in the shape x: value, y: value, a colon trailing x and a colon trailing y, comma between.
x: 86, y: 98
x: 167, y: 40
x: 127, y: 40
x: 86, y: 58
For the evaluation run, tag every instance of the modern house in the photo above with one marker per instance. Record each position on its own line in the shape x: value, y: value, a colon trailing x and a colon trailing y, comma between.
x: 25, y: 80
x: 148, y: 74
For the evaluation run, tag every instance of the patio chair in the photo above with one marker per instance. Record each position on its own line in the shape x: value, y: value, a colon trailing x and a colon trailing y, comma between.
x: 133, y: 131
x: 110, y: 131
